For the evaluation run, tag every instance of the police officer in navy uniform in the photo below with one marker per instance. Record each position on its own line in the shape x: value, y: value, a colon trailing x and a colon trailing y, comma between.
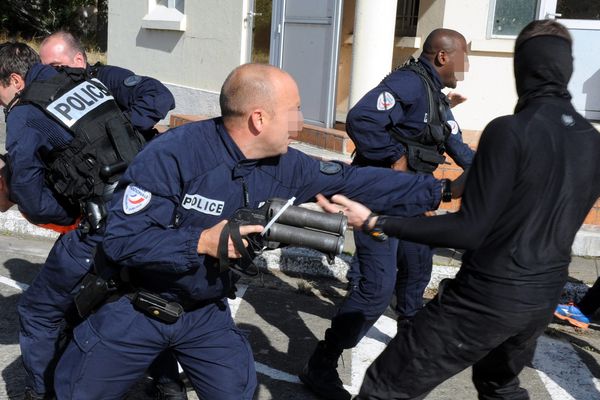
x: 164, y: 228
x: 404, y: 123
x: 143, y: 99
x: 34, y: 138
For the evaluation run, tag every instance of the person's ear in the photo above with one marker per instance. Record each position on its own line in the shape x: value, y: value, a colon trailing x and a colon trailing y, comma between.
x: 79, y: 60
x: 257, y: 120
x: 17, y: 81
x: 441, y: 57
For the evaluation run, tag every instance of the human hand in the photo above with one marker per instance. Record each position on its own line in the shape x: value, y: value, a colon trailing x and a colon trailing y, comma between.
x: 401, y: 164
x: 455, y: 99
x: 357, y: 213
x: 208, y: 243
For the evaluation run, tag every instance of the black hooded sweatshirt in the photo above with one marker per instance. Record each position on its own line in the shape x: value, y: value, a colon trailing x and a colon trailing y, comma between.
x: 535, y: 176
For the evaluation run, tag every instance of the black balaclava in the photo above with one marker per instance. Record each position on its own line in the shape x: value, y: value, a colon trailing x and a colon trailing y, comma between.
x: 543, y: 66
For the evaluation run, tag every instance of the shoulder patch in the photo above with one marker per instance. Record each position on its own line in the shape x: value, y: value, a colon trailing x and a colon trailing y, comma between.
x: 135, y: 199
x: 329, y: 167
x: 132, y: 80
x: 385, y: 101
x: 453, y: 126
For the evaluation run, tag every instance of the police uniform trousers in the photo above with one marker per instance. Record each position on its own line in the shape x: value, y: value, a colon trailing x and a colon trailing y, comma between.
x: 372, y: 280
x: 450, y: 334
x: 113, y: 347
x: 43, y: 306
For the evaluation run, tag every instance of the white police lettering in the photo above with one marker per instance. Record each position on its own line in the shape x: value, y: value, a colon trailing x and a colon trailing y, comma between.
x: 77, y: 102
x: 135, y: 199
x: 202, y: 204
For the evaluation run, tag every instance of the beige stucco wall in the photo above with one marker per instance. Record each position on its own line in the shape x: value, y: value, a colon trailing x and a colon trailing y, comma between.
x: 489, y: 86
x: 194, y: 62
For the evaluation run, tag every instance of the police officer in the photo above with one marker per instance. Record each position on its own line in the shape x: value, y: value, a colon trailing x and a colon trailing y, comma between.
x: 403, y: 123
x: 532, y: 183
x: 143, y: 99
x: 164, y: 229
x: 36, y: 138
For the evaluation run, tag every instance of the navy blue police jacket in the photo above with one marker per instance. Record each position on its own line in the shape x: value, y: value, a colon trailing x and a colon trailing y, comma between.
x: 30, y: 136
x: 400, y: 101
x: 145, y: 100
x: 194, y: 176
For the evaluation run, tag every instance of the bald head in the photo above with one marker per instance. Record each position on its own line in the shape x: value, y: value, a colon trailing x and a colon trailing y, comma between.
x: 260, y: 105
x: 442, y: 39
x: 446, y: 50
x: 62, y: 48
x: 250, y: 86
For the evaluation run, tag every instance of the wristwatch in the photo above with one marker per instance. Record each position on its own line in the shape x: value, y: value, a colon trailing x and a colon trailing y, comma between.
x: 446, y: 190
x: 377, y: 231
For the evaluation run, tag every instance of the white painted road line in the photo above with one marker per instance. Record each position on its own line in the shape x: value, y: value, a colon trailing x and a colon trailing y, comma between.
x: 560, y: 368
x: 563, y: 373
x: 14, y: 284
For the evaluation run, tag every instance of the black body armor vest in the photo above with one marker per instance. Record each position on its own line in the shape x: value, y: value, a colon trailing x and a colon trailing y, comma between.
x: 104, y: 142
x: 425, y: 151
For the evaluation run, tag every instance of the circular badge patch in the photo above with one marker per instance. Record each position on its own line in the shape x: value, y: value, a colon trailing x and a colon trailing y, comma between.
x: 385, y: 101
x: 453, y: 127
x: 329, y: 167
x: 135, y: 199
x: 132, y: 80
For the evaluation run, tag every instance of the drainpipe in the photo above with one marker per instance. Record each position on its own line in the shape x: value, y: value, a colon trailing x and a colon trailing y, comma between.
x: 372, y: 45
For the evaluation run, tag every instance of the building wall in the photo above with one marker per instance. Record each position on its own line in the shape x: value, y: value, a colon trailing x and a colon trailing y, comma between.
x: 489, y: 85
x: 193, y: 63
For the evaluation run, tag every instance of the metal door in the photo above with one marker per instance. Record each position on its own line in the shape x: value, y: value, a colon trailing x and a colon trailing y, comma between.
x: 582, y: 17
x: 305, y: 43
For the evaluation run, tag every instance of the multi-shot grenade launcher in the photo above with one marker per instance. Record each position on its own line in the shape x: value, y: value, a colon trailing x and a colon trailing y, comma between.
x: 284, y: 225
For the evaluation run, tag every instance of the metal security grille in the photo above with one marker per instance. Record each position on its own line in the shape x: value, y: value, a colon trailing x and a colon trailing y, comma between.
x: 407, y: 15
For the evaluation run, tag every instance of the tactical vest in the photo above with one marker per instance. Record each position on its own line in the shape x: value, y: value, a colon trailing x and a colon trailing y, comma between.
x: 425, y: 150
x: 104, y: 142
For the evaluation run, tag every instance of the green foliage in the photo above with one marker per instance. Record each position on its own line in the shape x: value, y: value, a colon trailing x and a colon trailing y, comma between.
x: 37, y: 18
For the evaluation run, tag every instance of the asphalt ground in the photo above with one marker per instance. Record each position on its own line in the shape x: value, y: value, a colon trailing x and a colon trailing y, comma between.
x: 287, y: 309
x: 284, y: 315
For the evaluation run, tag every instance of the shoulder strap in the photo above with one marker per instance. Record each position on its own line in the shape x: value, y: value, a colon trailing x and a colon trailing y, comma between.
x: 434, y: 116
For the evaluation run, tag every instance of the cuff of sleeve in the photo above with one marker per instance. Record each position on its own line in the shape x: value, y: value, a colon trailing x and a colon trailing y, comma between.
x: 436, y: 193
x: 192, y: 255
x: 398, y: 152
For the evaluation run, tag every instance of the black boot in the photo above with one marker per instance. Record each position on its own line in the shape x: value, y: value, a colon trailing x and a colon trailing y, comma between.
x: 171, y: 391
x: 321, y: 376
x: 30, y: 394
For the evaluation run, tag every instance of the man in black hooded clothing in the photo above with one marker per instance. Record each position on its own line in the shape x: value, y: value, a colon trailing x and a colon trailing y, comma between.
x: 534, y: 178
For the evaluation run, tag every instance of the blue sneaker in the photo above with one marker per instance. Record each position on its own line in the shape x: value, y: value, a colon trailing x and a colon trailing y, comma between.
x: 572, y: 314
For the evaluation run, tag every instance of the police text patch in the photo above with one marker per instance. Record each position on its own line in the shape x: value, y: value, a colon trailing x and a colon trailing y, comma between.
x: 135, y: 199
x: 385, y: 101
x: 77, y: 102
x: 202, y: 204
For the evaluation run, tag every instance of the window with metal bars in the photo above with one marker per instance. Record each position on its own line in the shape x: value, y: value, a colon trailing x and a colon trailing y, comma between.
x: 407, y: 16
